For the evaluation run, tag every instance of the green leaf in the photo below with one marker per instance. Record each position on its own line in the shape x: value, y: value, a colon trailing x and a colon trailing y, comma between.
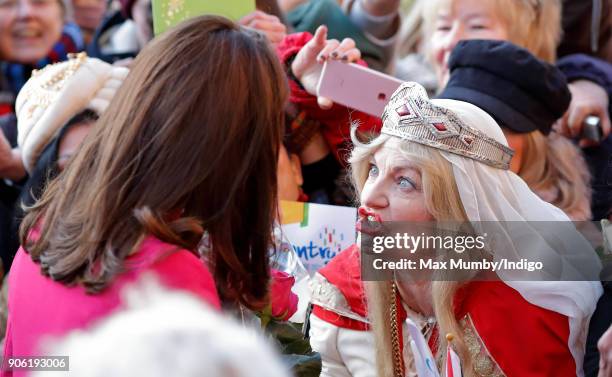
x: 304, y: 365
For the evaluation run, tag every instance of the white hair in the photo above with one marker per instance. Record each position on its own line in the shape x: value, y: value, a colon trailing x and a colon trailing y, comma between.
x: 164, y: 334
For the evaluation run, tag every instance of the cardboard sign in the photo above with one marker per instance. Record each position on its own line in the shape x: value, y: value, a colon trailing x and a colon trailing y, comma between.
x: 318, y: 232
x: 168, y: 13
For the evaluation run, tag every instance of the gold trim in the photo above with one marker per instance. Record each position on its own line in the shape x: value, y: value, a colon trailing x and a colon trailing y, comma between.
x: 483, y: 363
x: 395, y: 334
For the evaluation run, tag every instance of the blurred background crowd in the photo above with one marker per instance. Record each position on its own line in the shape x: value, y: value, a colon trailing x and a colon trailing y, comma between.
x: 544, y: 88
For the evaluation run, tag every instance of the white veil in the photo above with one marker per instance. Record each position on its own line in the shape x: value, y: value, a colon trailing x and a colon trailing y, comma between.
x: 491, y: 194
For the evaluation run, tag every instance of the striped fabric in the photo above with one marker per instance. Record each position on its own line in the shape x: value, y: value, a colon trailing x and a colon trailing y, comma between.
x: 453, y: 364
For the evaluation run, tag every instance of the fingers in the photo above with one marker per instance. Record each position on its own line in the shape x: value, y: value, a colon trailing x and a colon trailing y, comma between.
x: 4, y: 143
x: 605, y: 125
x: 576, y: 121
x: 351, y: 55
x: 308, y: 63
x: 561, y: 126
x: 604, y: 345
x: 585, y: 143
x: 325, y: 103
x: 269, y: 24
x: 345, y: 45
x: 248, y: 18
x: 325, y: 53
x: 308, y: 54
x: 316, y: 44
x: 319, y: 37
x: 588, y: 98
x: 274, y: 36
x: 345, y: 51
x: 252, y: 16
x: 127, y: 62
x: 605, y: 366
x: 576, y: 118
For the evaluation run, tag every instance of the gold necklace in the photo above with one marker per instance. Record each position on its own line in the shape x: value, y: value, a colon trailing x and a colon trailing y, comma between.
x: 398, y: 370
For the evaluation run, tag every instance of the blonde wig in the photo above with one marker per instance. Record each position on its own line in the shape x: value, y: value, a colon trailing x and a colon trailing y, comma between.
x: 444, y: 204
x: 554, y: 168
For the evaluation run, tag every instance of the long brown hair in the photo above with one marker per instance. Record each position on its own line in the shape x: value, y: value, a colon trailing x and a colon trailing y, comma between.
x: 189, y: 143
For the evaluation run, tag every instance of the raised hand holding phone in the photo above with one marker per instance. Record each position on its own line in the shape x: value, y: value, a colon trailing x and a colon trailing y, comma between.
x: 308, y: 63
x: 589, y: 101
x: 357, y: 87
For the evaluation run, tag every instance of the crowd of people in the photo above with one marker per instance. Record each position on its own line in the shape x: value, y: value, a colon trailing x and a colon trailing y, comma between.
x: 141, y: 180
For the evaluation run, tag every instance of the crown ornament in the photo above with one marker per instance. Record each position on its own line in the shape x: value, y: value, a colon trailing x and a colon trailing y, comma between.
x: 410, y: 115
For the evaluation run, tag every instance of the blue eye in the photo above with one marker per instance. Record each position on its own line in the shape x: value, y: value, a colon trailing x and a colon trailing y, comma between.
x: 373, y: 172
x: 405, y: 183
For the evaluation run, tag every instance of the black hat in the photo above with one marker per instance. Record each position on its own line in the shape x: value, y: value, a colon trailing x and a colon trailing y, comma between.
x: 520, y: 91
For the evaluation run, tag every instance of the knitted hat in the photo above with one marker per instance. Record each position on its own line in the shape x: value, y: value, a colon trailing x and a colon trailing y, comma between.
x: 520, y: 91
x: 55, y: 94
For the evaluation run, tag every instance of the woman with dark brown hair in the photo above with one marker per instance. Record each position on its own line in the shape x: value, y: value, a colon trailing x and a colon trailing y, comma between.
x: 188, y: 146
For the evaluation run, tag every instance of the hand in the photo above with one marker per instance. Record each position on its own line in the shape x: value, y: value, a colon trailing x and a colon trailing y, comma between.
x: 268, y: 24
x: 605, y: 354
x: 308, y: 63
x: 6, y: 156
x: 588, y: 98
x: 315, y: 150
x: 11, y: 165
x: 126, y: 62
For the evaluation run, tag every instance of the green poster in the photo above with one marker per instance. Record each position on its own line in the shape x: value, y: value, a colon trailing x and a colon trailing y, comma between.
x: 167, y: 13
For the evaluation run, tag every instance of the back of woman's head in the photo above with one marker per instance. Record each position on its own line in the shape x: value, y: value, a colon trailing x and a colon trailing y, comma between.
x: 190, y: 143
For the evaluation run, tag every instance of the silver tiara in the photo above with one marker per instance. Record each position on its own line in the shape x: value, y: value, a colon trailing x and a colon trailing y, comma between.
x: 411, y: 116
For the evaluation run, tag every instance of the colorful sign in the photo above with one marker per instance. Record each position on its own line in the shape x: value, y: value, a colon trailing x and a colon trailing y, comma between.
x: 167, y: 13
x: 318, y: 232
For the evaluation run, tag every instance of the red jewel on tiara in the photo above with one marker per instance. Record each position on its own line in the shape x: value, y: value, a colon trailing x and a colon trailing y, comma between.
x: 403, y: 110
x: 439, y: 126
x: 467, y: 140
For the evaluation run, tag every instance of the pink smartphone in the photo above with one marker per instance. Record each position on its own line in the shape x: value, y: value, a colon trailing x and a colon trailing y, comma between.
x: 356, y: 87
